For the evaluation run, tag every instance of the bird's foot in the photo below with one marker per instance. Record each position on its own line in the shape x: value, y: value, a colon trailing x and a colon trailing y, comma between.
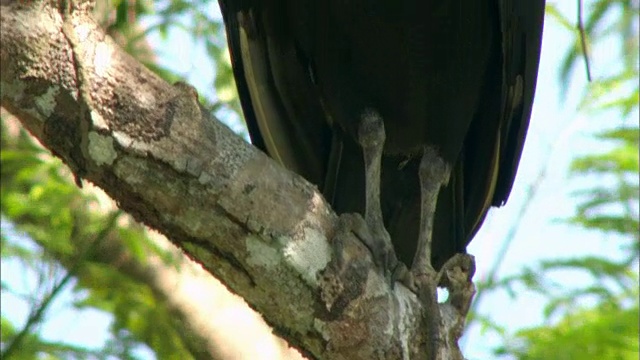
x: 346, y: 276
x: 379, y: 245
x: 455, y: 276
x: 443, y: 321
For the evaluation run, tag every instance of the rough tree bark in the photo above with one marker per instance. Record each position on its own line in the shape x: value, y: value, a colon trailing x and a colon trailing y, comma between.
x: 212, y: 323
x: 262, y: 230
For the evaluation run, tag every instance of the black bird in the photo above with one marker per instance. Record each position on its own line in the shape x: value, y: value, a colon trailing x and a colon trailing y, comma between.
x: 411, y: 112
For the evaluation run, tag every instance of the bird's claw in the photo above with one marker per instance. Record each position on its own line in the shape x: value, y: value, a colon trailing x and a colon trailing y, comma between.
x: 455, y: 275
x: 379, y: 245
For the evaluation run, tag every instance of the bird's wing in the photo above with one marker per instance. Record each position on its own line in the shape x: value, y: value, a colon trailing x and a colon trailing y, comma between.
x: 496, y: 138
x: 522, y: 23
x: 282, y: 112
x: 230, y: 11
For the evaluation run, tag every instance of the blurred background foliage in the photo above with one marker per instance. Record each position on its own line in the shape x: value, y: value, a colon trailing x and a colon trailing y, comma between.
x: 63, y: 237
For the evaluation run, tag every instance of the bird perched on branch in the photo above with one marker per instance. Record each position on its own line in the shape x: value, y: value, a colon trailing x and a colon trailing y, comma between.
x: 412, y: 113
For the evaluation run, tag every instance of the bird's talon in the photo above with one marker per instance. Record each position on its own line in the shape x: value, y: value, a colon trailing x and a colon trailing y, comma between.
x: 379, y: 245
x: 411, y: 279
x: 460, y: 266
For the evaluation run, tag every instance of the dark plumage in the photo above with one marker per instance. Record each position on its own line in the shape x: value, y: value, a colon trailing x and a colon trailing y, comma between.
x: 456, y: 76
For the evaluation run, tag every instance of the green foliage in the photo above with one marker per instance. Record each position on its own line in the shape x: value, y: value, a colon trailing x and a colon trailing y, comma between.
x: 606, y: 20
x: 123, y: 20
x: 611, y: 208
x: 604, y: 332
x: 598, y: 320
x: 605, y: 207
x: 40, y: 199
x: 198, y: 20
x: 34, y: 347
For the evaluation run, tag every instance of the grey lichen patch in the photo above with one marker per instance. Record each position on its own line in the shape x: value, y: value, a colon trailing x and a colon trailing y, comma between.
x: 101, y: 149
x: 261, y: 254
x: 309, y: 255
x: 46, y: 103
x: 102, y: 59
x: 98, y: 121
x: 17, y: 92
x: 403, y: 312
x: 122, y: 139
x: 133, y: 146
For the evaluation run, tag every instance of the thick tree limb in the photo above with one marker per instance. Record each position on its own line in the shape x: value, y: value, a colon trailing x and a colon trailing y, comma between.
x: 203, y: 312
x: 263, y: 231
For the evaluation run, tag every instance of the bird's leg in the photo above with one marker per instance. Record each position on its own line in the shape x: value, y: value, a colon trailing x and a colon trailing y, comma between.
x: 371, y: 136
x: 434, y: 173
x: 455, y: 274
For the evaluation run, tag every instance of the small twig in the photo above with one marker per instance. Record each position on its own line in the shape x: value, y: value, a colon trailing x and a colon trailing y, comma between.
x: 583, y: 42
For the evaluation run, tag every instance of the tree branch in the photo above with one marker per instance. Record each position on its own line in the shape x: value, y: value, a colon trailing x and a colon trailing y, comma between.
x: 262, y: 230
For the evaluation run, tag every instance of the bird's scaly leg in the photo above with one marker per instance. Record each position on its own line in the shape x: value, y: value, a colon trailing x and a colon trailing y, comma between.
x: 371, y: 136
x: 455, y: 274
x: 434, y: 173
